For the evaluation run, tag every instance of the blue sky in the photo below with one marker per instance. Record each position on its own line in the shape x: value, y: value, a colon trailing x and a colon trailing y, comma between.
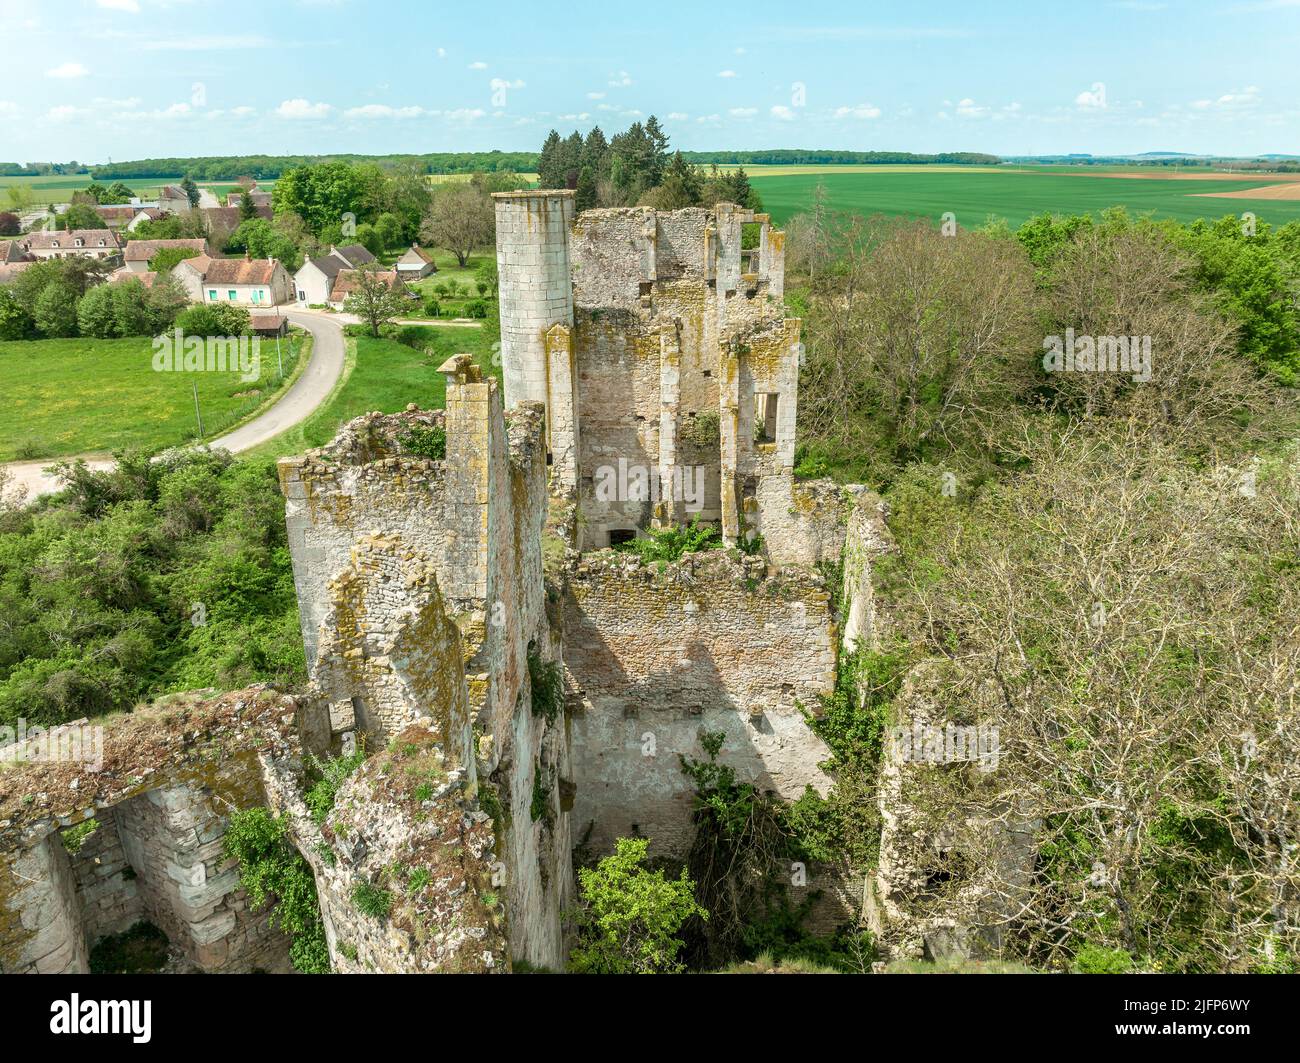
x: 93, y: 79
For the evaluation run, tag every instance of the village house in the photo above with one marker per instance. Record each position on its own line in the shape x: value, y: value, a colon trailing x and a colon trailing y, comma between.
x: 13, y: 260
x: 314, y: 281
x: 415, y: 263
x: 144, y: 214
x: 258, y: 198
x: 348, y: 280
x: 78, y: 243
x: 172, y: 198
x: 116, y: 217
x: 139, y: 252
x: 243, y: 281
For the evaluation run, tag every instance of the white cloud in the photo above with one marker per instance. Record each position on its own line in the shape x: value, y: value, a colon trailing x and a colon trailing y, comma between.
x: 465, y: 114
x: 442, y: 53
x: 382, y: 110
x: 120, y: 5
x: 740, y: 51
x: 478, y: 64
x: 64, y: 111
x: 785, y: 114
x: 7, y: 107
x: 1093, y: 99
x: 622, y: 80
x: 861, y: 111
x: 582, y: 117
x: 595, y: 95
x: 968, y: 108
x: 300, y: 108
x: 743, y: 112
x: 67, y: 70
x: 241, y: 112
x: 709, y: 118
x: 678, y: 116
x: 727, y: 74
x: 501, y: 83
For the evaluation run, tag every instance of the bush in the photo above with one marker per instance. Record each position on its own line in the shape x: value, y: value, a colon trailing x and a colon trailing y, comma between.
x: 140, y: 950
x: 630, y: 917
x: 213, y: 319
x: 669, y: 544
x: 273, y: 872
x: 331, y: 774
x: 425, y: 441
x: 433, y: 308
x: 374, y: 901
x: 476, y: 308
x: 1094, y: 959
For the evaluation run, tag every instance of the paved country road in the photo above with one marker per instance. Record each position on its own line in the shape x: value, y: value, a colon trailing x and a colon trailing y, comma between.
x: 307, y: 392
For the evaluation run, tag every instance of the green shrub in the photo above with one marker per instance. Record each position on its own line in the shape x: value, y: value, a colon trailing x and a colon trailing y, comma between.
x: 273, y: 872
x: 374, y: 901
x: 140, y: 950
x: 425, y: 441
x: 669, y: 544
x: 630, y: 917
x: 75, y: 837
x: 1095, y: 959
x: 331, y: 773
x: 546, y: 679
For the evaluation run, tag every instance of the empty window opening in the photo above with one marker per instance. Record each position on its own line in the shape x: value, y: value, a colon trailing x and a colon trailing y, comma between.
x: 618, y: 536
x: 765, y: 418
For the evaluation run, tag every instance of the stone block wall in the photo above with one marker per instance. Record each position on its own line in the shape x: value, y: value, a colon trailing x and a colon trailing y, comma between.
x: 374, y: 535
x: 711, y: 643
x: 168, y: 777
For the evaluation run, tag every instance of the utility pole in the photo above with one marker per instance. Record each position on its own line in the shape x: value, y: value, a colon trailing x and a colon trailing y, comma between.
x: 197, y: 416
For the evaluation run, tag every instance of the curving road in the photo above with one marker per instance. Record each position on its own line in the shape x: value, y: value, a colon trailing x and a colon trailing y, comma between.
x: 307, y: 393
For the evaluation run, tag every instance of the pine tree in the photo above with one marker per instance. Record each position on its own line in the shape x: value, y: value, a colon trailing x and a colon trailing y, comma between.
x: 550, y: 173
x: 586, y: 193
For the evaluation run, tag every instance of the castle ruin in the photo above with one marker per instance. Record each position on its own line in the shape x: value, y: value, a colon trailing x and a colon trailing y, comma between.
x: 467, y: 616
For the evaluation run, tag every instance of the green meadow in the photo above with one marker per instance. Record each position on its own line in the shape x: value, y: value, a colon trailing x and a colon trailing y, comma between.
x: 76, y: 396
x: 976, y: 194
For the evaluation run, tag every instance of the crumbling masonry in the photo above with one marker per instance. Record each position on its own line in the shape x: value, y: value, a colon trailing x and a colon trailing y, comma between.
x: 522, y: 688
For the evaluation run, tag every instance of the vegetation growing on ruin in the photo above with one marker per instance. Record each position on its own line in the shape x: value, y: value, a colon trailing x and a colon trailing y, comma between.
x: 670, y: 544
x: 752, y: 872
x: 630, y: 917
x: 372, y: 900
x: 75, y: 837
x: 546, y: 681
x: 327, y: 776
x: 274, y: 873
x: 425, y: 441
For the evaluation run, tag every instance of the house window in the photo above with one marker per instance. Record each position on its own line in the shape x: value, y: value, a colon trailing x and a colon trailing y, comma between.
x: 302, y: 296
x: 765, y: 418
x: 212, y: 295
x: 231, y: 295
x: 257, y: 295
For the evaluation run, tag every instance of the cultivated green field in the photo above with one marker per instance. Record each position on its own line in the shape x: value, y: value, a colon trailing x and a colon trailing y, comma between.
x: 975, y: 194
x: 59, y: 189
x: 78, y: 396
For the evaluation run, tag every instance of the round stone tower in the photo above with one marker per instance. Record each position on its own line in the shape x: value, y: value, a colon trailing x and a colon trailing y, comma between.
x: 536, y: 291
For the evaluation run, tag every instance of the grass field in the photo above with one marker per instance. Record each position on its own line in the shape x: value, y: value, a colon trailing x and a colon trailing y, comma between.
x: 975, y: 194
x: 385, y: 375
x: 79, y: 396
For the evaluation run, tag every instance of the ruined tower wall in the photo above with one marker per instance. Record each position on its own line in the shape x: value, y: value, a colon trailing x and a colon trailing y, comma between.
x: 476, y: 521
x: 657, y: 657
x: 535, y: 291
